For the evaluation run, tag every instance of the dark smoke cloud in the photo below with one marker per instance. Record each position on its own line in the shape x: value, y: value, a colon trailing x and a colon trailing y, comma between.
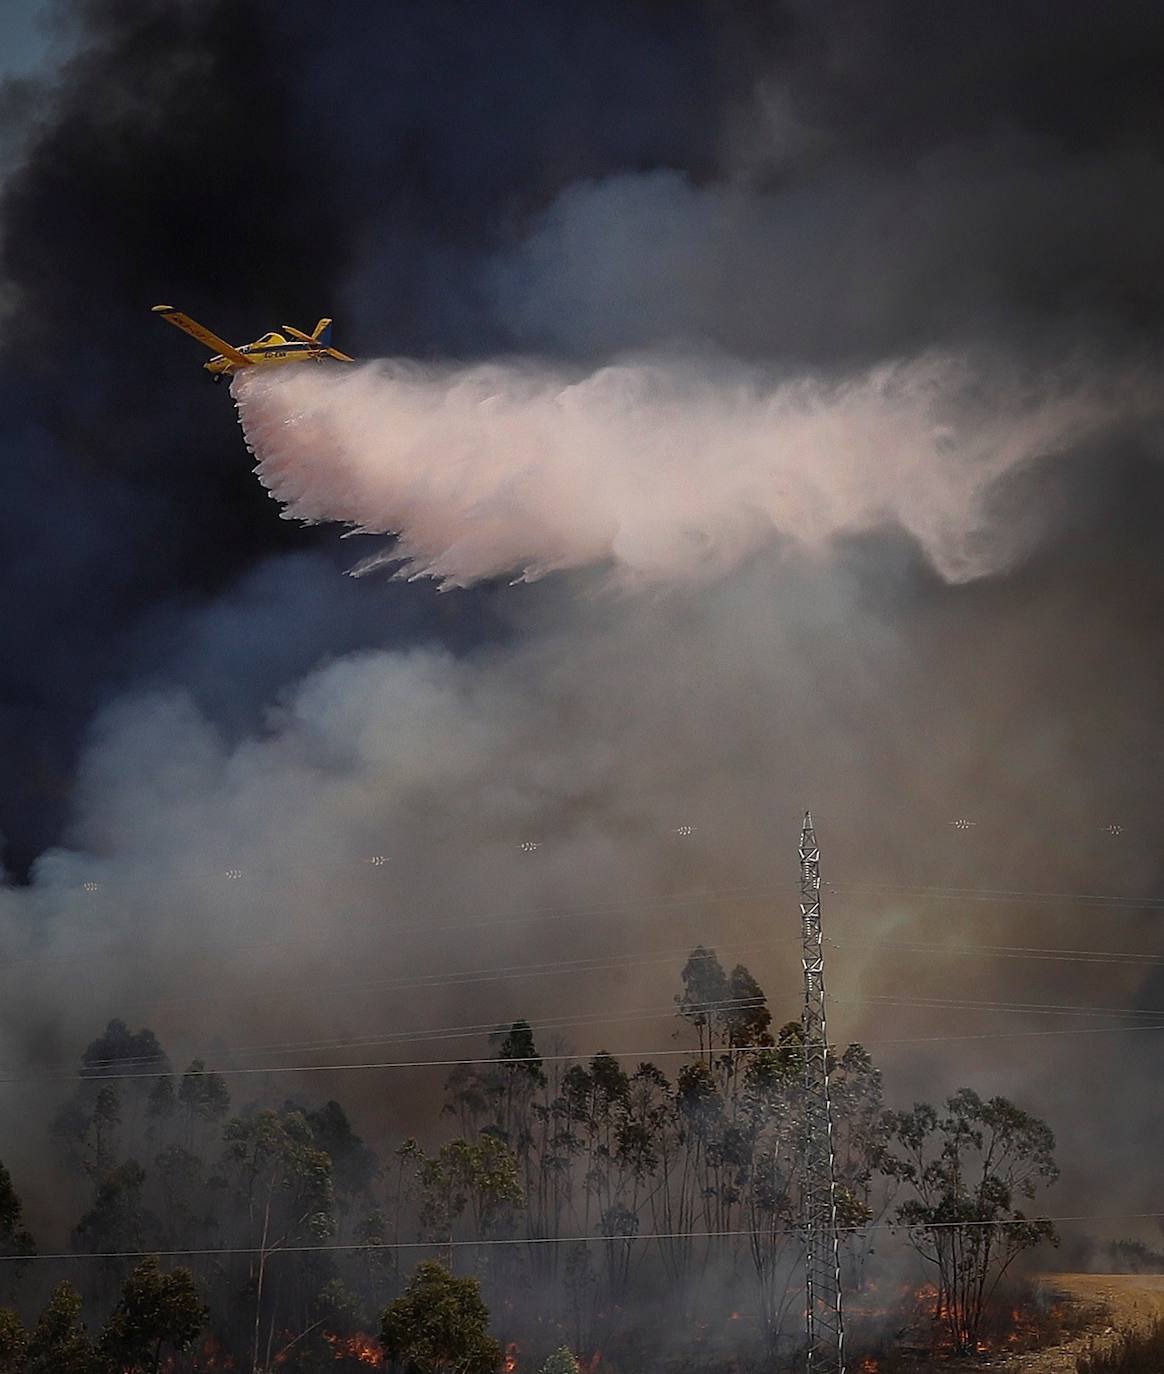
x: 845, y: 263
x: 904, y: 176
x: 122, y: 486
x: 258, y: 166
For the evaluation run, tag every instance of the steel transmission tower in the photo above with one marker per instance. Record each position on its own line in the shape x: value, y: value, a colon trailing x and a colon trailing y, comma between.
x: 822, y: 1262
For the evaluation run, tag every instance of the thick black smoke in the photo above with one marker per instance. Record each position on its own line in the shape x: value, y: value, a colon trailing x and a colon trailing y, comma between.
x: 244, y: 163
x: 818, y: 182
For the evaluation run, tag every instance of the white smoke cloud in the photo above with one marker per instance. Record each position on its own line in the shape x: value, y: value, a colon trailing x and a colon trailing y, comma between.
x: 666, y: 470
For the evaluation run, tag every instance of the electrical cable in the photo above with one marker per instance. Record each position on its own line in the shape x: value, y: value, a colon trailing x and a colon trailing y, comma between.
x: 975, y: 894
x: 519, y: 916
x: 662, y: 905
x: 484, y: 1241
x: 469, y: 977
x: 1039, y: 952
x: 1013, y: 1008
x: 91, y: 1068
x: 493, y: 1061
x: 463, y: 1031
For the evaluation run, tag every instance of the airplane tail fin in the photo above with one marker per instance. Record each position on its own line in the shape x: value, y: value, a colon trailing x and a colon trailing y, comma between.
x: 321, y: 334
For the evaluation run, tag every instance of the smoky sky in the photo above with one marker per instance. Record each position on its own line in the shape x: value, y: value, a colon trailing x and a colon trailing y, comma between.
x: 814, y: 189
x: 240, y: 165
x: 818, y: 182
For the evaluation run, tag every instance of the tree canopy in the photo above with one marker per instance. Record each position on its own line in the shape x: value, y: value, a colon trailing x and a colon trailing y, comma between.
x: 157, y: 1310
x: 970, y: 1167
x: 440, y: 1325
x: 59, y: 1343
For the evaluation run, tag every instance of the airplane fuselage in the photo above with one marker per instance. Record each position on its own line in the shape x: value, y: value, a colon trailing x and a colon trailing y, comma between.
x: 267, y: 355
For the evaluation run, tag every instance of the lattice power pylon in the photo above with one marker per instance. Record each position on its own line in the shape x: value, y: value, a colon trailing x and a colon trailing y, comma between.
x: 822, y: 1261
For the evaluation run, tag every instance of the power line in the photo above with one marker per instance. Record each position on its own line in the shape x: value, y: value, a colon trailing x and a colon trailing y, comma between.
x: 489, y: 1241
x: 642, y: 958
x: 432, y: 925
x: 243, y: 869
x: 461, y: 1032
x: 549, y: 915
x: 470, y: 977
x: 1038, y: 952
x: 584, y: 964
x: 1005, y: 895
x: 1012, y: 1008
x: 92, y: 1069
x: 264, y: 1069
x: 493, y: 1061
x: 1013, y: 1035
x: 500, y: 1022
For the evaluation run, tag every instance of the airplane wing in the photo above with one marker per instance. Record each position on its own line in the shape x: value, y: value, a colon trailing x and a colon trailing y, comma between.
x: 307, y: 338
x: 203, y: 335
x: 297, y: 333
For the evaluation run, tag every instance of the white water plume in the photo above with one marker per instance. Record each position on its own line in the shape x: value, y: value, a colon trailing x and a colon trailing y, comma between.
x: 667, y: 471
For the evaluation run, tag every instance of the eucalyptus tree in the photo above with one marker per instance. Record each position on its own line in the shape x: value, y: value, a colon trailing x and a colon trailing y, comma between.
x: 439, y: 1325
x: 204, y: 1099
x: 119, y: 1221
x: 283, y: 1192
x: 970, y: 1168
x: 562, y: 1361
x: 476, y: 1179
x: 13, y: 1342
x: 594, y: 1092
x: 16, y: 1243
x: 156, y: 1311
x: 59, y: 1342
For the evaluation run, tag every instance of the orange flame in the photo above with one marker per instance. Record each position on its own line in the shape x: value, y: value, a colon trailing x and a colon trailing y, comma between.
x: 358, y: 1346
x: 510, y: 1364
x: 211, y: 1355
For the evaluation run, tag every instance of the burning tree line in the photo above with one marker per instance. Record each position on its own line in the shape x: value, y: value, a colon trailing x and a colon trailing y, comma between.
x: 616, y: 1201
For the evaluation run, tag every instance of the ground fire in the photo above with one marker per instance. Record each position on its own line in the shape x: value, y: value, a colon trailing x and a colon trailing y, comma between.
x: 913, y: 1326
x: 358, y: 1346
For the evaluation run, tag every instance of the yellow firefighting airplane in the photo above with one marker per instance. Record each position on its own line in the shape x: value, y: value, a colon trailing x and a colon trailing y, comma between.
x: 271, y: 350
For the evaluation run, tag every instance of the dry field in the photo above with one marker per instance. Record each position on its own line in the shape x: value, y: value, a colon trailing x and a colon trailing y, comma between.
x: 1127, y: 1300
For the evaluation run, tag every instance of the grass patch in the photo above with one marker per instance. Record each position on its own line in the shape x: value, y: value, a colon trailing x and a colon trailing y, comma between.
x: 1132, y: 1352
